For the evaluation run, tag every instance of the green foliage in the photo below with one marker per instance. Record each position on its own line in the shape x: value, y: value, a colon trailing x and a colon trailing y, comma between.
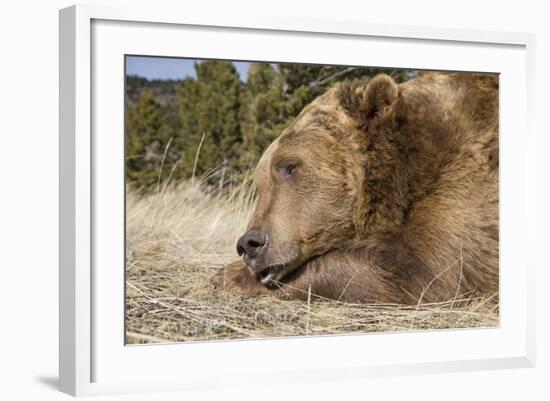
x: 265, y: 112
x: 209, y: 111
x: 219, y: 125
x: 147, y: 136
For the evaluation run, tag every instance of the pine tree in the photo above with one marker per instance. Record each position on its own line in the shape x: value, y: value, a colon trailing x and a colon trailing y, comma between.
x: 209, y: 110
x: 147, y: 135
x: 265, y: 112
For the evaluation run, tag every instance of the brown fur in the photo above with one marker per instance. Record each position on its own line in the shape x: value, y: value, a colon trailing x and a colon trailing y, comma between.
x: 394, y: 196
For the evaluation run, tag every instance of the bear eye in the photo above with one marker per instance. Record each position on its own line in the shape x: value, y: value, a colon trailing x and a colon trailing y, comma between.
x: 287, y: 170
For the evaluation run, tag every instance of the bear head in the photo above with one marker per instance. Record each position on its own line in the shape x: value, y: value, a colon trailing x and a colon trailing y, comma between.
x: 329, y: 180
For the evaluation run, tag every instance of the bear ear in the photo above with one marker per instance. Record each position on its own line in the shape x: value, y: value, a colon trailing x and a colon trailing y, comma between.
x: 366, y: 102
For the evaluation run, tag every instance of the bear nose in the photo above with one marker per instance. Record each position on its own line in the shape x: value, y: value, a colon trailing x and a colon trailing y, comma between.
x: 251, y: 242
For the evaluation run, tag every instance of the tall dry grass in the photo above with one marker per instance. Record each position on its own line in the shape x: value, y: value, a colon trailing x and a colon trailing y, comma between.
x: 177, y: 238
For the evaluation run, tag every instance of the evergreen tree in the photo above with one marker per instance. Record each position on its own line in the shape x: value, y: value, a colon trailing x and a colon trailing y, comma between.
x: 209, y: 110
x: 147, y: 135
x: 265, y: 112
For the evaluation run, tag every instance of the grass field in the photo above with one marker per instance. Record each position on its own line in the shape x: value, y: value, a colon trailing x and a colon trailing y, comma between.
x: 177, y: 239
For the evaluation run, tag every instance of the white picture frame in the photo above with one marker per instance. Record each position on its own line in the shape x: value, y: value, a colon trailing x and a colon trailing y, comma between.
x: 93, y: 358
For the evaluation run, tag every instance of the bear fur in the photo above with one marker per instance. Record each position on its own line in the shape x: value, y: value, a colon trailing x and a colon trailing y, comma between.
x: 381, y: 193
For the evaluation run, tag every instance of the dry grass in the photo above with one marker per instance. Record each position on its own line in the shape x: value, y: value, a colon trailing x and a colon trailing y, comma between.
x: 178, y: 237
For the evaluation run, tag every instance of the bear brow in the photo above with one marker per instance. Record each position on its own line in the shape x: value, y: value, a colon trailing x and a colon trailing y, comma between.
x: 318, y: 118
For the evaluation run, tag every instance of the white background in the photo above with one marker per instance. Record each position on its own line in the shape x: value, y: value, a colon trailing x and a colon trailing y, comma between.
x: 28, y: 199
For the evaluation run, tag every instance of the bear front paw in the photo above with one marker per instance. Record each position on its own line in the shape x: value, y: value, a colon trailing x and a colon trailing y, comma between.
x: 218, y: 279
x: 235, y: 277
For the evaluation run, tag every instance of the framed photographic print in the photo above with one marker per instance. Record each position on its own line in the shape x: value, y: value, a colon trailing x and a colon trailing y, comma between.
x: 244, y: 200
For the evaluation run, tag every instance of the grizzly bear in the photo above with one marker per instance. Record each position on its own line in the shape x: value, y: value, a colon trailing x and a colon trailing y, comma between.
x: 379, y: 192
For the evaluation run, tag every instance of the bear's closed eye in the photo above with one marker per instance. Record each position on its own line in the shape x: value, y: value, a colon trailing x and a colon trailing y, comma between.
x: 287, y: 169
